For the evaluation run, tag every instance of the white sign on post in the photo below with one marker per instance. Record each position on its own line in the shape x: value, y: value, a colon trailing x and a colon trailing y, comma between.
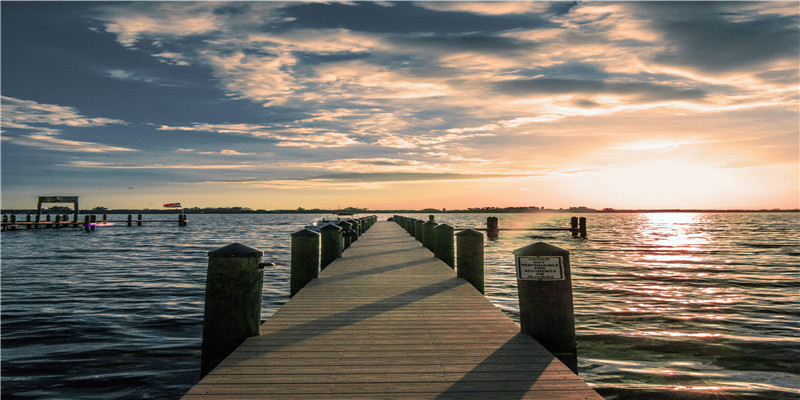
x: 540, y: 268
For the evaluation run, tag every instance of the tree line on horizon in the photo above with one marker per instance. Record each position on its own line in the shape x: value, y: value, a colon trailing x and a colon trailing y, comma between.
x: 356, y: 210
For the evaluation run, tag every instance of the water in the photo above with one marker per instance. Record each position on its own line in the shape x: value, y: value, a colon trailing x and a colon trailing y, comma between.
x: 668, y: 306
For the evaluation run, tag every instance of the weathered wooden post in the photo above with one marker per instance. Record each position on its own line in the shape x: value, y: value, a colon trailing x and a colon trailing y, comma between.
x: 86, y: 222
x: 93, y: 221
x: 233, y: 302
x: 418, y: 230
x: 58, y: 221
x: 346, y: 239
x: 582, y: 227
x: 47, y: 219
x: 443, y: 244
x: 544, y: 284
x: 469, y: 257
x: 130, y: 220
x: 573, y: 225
x: 305, y: 259
x: 331, y: 241
x: 139, y: 220
x: 427, y: 237
x: 13, y: 222
x: 356, y: 228
x: 492, y: 228
x: 105, y: 217
x: 28, y: 219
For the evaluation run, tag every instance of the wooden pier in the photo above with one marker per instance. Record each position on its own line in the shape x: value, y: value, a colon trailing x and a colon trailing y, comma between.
x: 389, y: 320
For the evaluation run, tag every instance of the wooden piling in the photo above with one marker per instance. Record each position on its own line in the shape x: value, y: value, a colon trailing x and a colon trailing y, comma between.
x: 469, y: 260
x: 331, y: 243
x: 573, y: 224
x: 582, y: 227
x: 428, y: 240
x: 546, y: 311
x: 419, y: 230
x: 130, y: 220
x: 346, y: 239
x: 304, y: 259
x: 492, y: 228
x: 443, y: 244
x: 139, y: 220
x: 86, y: 222
x: 233, y: 302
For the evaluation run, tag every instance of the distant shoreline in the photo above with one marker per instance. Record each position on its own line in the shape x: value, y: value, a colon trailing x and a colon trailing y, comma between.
x: 484, y: 210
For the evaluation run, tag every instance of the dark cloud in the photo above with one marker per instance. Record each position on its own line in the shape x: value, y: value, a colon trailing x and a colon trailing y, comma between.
x: 466, y: 42
x: 561, y: 7
x: 642, y: 90
x: 781, y: 77
x: 402, y: 17
x: 583, y: 103
x: 721, y: 36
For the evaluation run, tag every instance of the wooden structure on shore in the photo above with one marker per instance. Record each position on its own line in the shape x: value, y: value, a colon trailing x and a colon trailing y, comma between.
x: 390, y: 320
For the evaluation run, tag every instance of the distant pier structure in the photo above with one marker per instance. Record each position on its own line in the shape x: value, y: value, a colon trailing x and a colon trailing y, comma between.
x: 89, y: 222
x: 57, y: 199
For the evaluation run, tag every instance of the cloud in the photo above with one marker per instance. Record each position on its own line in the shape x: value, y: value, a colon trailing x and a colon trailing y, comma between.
x: 123, y: 75
x: 50, y: 142
x: 283, y: 136
x: 723, y: 37
x: 23, y: 112
x: 451, y: 84
x: 105, y: 165
x: 346, y: 181
x: 641, y: 91
x: 22, y: 120
x: 163, y: 20
x: 487, y: 8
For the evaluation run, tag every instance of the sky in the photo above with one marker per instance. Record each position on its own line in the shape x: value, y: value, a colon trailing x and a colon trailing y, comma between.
x: 402, y: 105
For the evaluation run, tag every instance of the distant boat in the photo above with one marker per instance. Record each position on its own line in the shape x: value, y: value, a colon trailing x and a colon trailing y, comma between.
x: 172, y: 205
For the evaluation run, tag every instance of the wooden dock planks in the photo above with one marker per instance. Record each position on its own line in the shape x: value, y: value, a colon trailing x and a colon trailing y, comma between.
x: 390, y: 321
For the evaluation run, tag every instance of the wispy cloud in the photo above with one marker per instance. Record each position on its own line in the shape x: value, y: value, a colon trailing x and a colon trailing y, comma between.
x: 23, y: 120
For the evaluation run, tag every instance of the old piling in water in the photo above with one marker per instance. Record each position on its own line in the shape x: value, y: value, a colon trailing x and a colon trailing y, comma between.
x: 443, y: 244
x: 469, y: 257
x: 139, y: 220
x: 546, y: 312
x: 582, y: 227
x: 331, y: 241
x: 492, y: 228
x: 573, y: 225
x: 305, y: 259
x: 233, y: 302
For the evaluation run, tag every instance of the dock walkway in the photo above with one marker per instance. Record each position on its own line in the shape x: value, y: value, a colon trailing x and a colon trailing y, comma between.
x: 388, y: 320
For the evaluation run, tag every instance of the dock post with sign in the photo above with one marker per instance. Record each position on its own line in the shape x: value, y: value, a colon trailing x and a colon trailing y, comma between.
x: 545, y: 299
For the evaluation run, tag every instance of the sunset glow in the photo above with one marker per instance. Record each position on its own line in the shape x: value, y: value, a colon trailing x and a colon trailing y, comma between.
x: 275, y: 105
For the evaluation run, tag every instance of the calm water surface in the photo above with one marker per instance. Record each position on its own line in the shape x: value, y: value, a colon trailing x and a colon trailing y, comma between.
x: 668, y: 306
